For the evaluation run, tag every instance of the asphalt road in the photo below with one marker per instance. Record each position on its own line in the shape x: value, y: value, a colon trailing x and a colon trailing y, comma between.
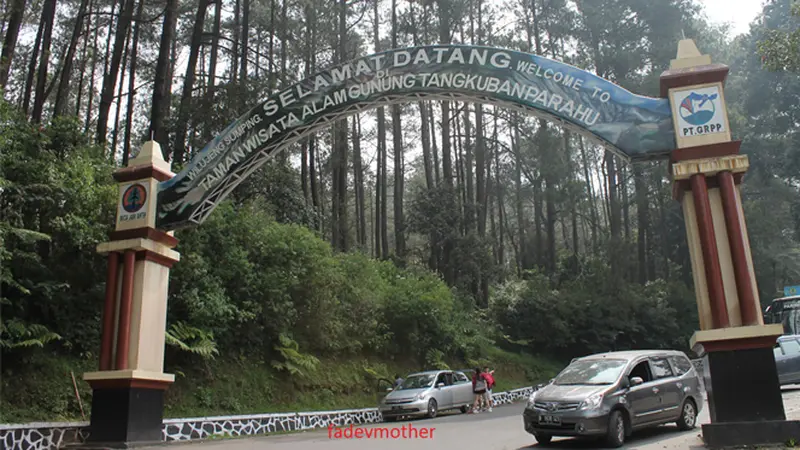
x: 501, y: 429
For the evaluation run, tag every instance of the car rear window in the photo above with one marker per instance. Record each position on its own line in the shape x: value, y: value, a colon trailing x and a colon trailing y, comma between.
x: 661, y: 368
x: 681, y: 364
x: 790, y: 347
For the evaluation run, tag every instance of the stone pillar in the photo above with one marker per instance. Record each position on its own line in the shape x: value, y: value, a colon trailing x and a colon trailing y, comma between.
x: 128, y: 389
x: 741, y: 378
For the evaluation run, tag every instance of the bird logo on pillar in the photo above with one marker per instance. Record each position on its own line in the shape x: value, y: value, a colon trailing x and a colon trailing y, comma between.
x: 698, y: 109
x: 134, y: 198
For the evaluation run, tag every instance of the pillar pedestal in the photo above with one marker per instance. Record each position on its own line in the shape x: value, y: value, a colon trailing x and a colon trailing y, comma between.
x: 128, y: 390
x: 127, y: 407
x: 744, y: 395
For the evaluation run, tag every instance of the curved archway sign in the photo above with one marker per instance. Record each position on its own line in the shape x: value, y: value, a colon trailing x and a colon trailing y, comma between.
x: 634, y: 126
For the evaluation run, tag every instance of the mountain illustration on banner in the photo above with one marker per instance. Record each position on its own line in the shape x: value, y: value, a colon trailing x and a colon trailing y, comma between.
x: 698, y: 109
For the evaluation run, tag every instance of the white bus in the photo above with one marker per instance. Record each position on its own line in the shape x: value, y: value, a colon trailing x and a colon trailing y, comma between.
x: 786, y: 311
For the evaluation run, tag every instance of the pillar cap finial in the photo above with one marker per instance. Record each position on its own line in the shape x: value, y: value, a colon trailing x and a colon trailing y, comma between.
x: 689, y: 56
x: 150, y: 155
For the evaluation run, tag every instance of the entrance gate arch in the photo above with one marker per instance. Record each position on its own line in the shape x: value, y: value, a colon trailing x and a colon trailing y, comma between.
x: 633, y: 126
x: 688, y: 125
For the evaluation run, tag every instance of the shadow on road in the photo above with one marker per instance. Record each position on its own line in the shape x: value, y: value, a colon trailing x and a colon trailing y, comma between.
x: 638, y: 439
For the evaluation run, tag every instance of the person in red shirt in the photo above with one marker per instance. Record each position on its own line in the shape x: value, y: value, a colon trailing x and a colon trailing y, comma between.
x: 489, y: 376
x: 479, y: 387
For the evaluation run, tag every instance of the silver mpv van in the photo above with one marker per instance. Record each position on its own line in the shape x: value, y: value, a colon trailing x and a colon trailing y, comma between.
x: 612, y: 394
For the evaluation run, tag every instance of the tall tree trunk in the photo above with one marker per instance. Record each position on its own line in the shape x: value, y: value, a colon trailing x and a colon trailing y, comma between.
x: 48, y: 17
x: 212, y: 64
x: 460, y: 184
x: 643, y: 225
x: 399, y: 178
x: 467, y: 175
x: 62, y: 93
x: 118, y: 109
x: 15, y: 14
x: 590, y: 192
x: 573, y: 178
x: 381, y: 198
x: 304, y: 146
x: 499, y: 189
x: 284, y: 156
x: 90, y: 103
x: 425, y: 134
x: 614, y: 217
x: 399, y: 170
x: 246, y: 39
x: 537, y: 222
x: 284, y: 30
x: 271, y: 67
x: 522, y: 260
x: 312, y: 178
x: 188, y: 82
x: 320, y: 188
x: 126, y: 147
x: 111, y: 23
x: 26, y: 100
x: 162, y: 86
x: 623, y: 185
x: 481, y: 173
x: 235, y: 32
x: 110, y: 80
x: 481, y: 162
x: 434, y: 147
x: 340, y: 225
x: 550, y: 224
x: 259, y: 38
x: 79, y: 95
x: 444, y: 38
x: 426, y: 144
x: 358, y: 181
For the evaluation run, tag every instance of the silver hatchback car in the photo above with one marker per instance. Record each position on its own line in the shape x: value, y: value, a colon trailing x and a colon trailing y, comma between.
x: 427, y: 393
x: 610, y: 395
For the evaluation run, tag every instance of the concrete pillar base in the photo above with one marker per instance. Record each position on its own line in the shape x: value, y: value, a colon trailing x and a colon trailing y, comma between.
x: 738, y: 434
x: 126, y: 412
x: 744, y: 393
x: 742, y: 386
x: 126, y: 415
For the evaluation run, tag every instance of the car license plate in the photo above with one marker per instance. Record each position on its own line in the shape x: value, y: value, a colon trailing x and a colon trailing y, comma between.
x: 550, y: 420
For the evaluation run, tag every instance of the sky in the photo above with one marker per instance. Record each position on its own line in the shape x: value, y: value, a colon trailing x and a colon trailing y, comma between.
x: 738, y: 13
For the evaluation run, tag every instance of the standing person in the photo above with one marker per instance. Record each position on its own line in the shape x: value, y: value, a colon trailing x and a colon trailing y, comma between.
x: 397, y: 380
x: 489, y: 375
x: 479, y: 386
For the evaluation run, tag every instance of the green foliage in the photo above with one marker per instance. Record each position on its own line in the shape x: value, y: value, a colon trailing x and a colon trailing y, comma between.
x: 589, y: 314
x: 294, y: 362
x: 16, y: 334
x: 780, y: 48
x: 190, y: 339
x: 42, y: 389
x: 57, y: 204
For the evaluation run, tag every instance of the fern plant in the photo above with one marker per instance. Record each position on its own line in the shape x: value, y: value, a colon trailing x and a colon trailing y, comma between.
x: 16, y: 334
x: 294, y: 362
x: 191, y: 339
x: 434, y: 359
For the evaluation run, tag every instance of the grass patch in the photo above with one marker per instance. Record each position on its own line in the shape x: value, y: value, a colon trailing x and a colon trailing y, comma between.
x: 41, y: 389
